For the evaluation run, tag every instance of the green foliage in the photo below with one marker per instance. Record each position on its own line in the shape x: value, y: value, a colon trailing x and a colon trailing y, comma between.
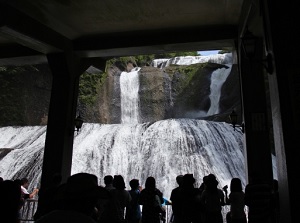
x: 189, y: 70
x: 89, y: 85
x: 123, y: 60
x: 17, y: 70
x: 143, y: 60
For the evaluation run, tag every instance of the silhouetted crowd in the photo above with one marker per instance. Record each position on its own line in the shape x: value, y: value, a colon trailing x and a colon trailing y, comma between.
x: 81, y: 199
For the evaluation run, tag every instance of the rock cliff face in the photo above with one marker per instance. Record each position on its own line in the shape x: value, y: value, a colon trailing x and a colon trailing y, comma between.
x: 109, y: 103
x: 175, y: 91
x: 24, y: 95
x: 171, y: 92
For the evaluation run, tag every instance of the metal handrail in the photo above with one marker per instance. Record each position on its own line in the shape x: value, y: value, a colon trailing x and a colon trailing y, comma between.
x: 28, y: 210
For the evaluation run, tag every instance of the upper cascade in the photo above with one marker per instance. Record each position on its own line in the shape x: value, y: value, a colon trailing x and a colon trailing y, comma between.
x: 225, y: 58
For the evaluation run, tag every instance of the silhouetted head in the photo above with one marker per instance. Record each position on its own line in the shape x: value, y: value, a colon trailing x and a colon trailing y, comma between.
x: 188, y: 181
x: 179, y: 179
x: 235, y: 185
x: 211, y: 181
x: 24, y: 182
x: 18, y: 181
x: 204, y: 179
x: 118, y: 182
x: 134, y: 184
x: 81, y: 185
x: 150, y: 183
x: 81, y: 193
x: 108, y: 179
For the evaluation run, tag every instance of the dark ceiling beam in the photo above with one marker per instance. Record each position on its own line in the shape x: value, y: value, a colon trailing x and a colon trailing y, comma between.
x: 21, y: 61
x: 24, y: 30
x: 17, y: 55
x: 246, y: 13
x: 16, y: 50
x: 29, y: 37
x: 156, y: 41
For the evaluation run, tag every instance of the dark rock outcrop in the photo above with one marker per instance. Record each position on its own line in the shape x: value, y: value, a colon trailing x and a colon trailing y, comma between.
x: 24, y: 95
x: 172, y: 92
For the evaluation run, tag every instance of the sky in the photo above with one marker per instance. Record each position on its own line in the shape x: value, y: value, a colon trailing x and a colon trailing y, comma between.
x: 210, y: 52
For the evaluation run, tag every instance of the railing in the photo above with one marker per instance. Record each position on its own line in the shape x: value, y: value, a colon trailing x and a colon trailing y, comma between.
x: 28, y: 210
x: 168, y: 214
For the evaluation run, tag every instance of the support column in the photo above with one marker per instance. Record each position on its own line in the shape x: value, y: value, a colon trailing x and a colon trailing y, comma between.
x: 281, y: 23
x: 258, y: 150
x: 62, y: 111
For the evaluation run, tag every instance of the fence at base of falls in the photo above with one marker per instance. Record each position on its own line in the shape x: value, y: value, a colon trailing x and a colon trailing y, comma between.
x: 28, y: 210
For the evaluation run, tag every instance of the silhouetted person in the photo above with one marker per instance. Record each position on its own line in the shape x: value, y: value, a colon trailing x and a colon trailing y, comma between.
x: 119, y: 200
x: 236, y: 200
x: 24, y: 189
x: 258, y: 199
x: 46, y: 202
x: 103, y: 205
x: 133, y: 211
x: 212, y: 199
x: 79, y: 196
x: 150, y: 198
x: 24, y: 183
x: 202, y: 186
x: 108, y: 181
x: 10, y: 201
x: 22, y: 200
x: 190, y: 197
x: 176, y: 199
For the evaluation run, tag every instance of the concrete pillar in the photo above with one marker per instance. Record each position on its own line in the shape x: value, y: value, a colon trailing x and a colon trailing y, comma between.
x: 257, y: 140
x: 62, y: 111
x: 281, y: 25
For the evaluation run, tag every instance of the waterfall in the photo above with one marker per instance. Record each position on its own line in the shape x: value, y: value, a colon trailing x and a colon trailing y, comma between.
x: 129, y: 86
x: 163, y: 149
x: 218, y: 77
x: 225, y: 58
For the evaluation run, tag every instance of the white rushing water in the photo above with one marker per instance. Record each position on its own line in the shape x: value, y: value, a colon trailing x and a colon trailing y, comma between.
x: 163, y: 149
x: 187, y: 60
x: 129, y: 86
x: 218, y: 77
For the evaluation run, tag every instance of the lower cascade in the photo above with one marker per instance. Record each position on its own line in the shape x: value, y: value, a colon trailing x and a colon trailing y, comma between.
x: 163, y: 149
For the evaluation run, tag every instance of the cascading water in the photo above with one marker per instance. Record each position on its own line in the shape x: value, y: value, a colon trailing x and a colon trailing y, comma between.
x: 187, y: 60
x: 218, y: 77
x: 163, y: 149
x: 129, y: 85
